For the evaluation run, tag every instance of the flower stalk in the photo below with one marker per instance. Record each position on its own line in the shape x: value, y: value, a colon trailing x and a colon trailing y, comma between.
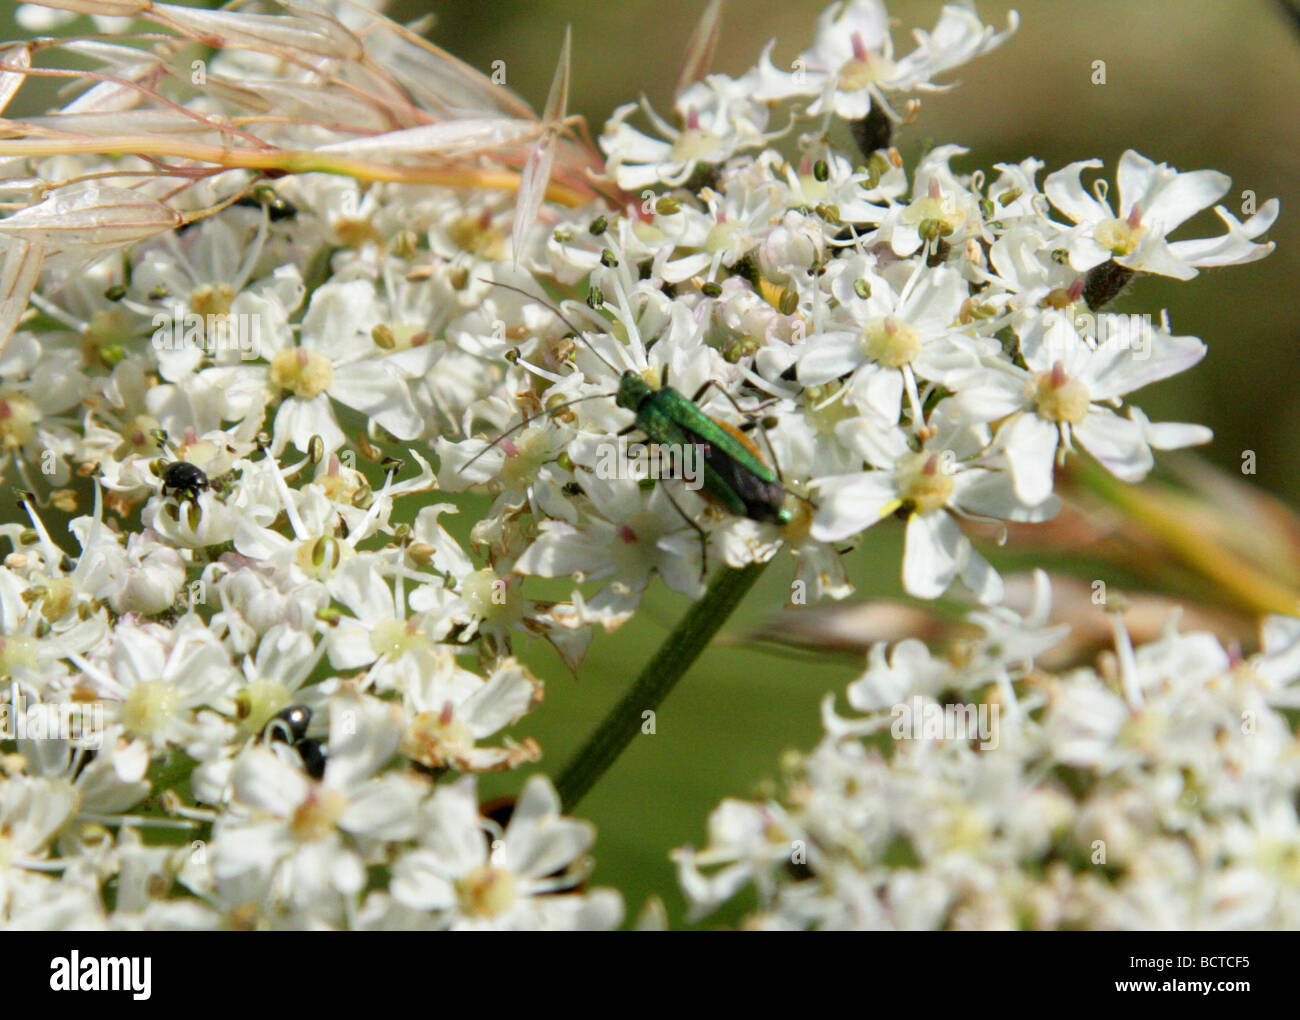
x: 669, y: 664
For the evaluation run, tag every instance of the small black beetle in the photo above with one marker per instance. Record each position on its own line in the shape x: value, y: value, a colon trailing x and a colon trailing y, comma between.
x: 181, y: 476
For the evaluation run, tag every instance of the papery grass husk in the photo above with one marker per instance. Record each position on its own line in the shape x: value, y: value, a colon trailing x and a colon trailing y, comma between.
x: 370, y: 100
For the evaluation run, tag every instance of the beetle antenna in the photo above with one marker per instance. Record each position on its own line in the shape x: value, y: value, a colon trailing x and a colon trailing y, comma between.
x: 531, y: 418
x: 558, y: 314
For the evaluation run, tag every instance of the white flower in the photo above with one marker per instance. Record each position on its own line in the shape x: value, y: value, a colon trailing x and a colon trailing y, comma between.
x: 895, y: 337
x: 1060, y: 395
x: 930, y: 484
x: 1154, y: 200
x: 851, y: 63
x: 291, y: 827
x: 155, y: 680
x: 451, y: 709
x: 337, y: 359
x: 628, y: 540
x: 520, y: 880
x: 719, y: 118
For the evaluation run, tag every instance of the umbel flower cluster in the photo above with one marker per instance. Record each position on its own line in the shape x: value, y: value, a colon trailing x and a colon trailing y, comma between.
x: 1156, y: 792
x: 343, y: 274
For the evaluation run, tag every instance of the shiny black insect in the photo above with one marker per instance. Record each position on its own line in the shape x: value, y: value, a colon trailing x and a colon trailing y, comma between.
x: 179, y: 476
x: 290, y: 726
x: 312, y: 753
x: 183, y: 477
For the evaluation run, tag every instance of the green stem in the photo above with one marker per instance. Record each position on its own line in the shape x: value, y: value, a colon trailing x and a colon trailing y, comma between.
x: 674, y: 657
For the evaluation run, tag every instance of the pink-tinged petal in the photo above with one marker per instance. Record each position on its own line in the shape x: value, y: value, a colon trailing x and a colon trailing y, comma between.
x: 932, y: 550
x: 1117, y: 443
x: 1154, y: 256
x: 1174, y: 198
x: 1136, y: 177
x: 507, y: 695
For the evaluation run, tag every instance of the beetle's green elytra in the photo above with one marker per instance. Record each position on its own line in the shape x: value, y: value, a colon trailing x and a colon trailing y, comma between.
x: 735, y: 475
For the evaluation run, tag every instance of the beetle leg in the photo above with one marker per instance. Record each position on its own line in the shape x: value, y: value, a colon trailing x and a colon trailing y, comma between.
x: 699, y: 530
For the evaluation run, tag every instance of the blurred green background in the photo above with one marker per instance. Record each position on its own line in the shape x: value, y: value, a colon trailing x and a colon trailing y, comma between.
x: 1195, y: 83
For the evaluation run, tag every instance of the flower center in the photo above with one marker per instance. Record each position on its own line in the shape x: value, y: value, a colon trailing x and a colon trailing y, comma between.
x: 356, y: 233
x: 320, y: 557
x: 435, y: 737
x: 967, y: 829
x: 304, y: 373
x: 18, y: 418
x: 1059, y: 398
x: 59, y: 594
x: 823, y: 415
x: 316, y: 816
x: 934, y: 214
x: 924, y: 482
x: 395, y: 637
x: 865, y: 68
x: 477, y: 235
x: 488, y: 595
x: 486, y: 891
x: 891, y: 341
x: 1121, y: 237
x: 148, y: 707
x: 526, y: 456
x: 212, y: 299
x: 106, y: 327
